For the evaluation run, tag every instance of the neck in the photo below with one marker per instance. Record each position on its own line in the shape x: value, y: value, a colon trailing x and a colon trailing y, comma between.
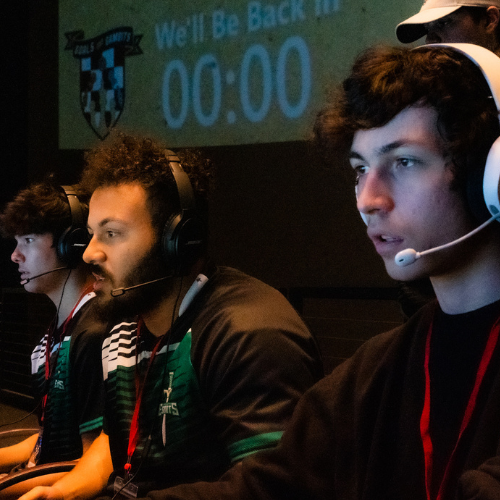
x: 474, y: 284
x: 67, y: 294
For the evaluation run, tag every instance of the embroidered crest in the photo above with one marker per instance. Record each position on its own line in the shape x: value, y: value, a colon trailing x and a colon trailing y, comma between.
x: 59, y: 384
x: 102, y: 74
x: 168, y: 407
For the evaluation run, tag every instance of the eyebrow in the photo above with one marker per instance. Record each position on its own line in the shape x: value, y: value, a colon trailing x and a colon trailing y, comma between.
x: 105, y: 221
x: 383, y: 150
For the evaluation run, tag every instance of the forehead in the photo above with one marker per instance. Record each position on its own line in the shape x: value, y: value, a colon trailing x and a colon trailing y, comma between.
x: 416, y: 125
x: 124, y: 203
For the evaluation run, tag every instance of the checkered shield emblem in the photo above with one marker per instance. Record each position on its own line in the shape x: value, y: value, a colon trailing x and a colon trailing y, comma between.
x: 102, y: 74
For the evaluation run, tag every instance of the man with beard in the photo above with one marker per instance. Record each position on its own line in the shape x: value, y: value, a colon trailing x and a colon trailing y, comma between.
x: 211, y: 363
x: 48, y: 223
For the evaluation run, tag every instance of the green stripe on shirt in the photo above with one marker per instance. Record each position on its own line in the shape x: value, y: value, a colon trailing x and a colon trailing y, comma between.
x: 248, y: 446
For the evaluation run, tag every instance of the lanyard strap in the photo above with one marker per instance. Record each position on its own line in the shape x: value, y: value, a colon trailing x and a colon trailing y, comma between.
x: 471, y: 404
x: 48, y: 346
x: 139, y: 390
x: 133, y: 439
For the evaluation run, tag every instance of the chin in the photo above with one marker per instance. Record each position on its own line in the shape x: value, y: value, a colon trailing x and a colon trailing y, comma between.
x: 410, y: 272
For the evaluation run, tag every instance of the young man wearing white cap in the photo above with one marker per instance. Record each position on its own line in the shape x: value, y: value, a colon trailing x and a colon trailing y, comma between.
x: 454, y: 21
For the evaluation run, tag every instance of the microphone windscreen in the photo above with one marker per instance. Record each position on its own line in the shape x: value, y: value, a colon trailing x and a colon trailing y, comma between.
x: 406, y: 257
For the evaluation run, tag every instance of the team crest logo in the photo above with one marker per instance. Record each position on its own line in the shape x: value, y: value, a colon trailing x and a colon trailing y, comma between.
x: 102, y: 74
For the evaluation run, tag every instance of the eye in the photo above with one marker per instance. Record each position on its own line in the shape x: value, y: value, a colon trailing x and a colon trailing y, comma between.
x: 406, y: 162
x: 359, y: 171
x: 443, y: 23
x: 111, y: 234
x: 29, y: 239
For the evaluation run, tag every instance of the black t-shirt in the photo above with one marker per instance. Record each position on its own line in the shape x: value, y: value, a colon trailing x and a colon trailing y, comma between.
x: 457, y: 345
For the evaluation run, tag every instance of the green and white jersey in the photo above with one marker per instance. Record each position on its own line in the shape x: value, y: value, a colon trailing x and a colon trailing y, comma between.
x: 224, y: 386
x: 75, y: 401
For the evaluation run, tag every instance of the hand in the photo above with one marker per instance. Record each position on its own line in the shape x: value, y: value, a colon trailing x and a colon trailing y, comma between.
x: 43, y: 493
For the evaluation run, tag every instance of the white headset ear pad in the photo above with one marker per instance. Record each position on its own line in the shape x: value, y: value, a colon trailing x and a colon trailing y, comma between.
x: 491, y: 179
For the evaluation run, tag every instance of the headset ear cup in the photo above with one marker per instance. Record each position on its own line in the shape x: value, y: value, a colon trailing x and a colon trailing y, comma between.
x: 482, y: 186
x: 183, y: 241
x: 475, y: 197
x: 72, y: 244
x: 74, y: 240
x: 491, y: 179
x: 62, y: 246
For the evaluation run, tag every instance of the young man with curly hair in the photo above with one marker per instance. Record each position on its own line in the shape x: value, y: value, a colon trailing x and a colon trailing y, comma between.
x: 67, y: 374
x: 210, y: 363
x: 414, y: 413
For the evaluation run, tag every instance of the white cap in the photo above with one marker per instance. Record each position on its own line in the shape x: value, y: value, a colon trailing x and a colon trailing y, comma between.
x: 413, y: 28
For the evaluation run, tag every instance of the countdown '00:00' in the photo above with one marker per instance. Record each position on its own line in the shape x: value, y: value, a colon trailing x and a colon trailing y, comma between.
x: 254, y: 112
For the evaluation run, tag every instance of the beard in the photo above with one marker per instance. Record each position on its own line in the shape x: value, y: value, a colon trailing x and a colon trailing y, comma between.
x: 138, y: 300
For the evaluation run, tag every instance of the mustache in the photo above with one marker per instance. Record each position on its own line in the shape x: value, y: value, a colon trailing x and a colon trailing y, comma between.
x: 97, y: 269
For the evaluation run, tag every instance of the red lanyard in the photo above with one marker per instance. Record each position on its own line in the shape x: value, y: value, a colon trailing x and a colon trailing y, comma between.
x: 425, y: 418
x: 48, y: 348
x: 139, y: 389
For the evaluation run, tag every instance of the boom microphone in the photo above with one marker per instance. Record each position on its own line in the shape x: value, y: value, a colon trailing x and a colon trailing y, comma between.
x: 27, y: 280
x: 409, y: 256
x: 120, y: 291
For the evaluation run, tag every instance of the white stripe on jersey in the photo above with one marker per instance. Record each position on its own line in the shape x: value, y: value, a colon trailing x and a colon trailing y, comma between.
x: 38, y: 356
x: 119, y: 349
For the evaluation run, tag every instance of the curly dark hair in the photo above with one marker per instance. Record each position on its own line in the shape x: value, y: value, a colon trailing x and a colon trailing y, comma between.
x: 128, y: 159
x: 386, y: 80
x: 40, y: 208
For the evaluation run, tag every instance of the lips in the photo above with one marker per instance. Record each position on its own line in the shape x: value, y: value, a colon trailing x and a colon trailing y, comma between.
x: 99, y: 281
x: 390, y: 239
x: 386, y: 244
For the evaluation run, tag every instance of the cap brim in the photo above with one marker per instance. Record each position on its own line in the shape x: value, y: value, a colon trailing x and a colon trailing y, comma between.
x: 413, y: 28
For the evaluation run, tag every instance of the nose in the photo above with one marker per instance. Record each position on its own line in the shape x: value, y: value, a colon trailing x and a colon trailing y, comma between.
x: 93, y: 254
x: 373, y: 195
x: 17, y: 256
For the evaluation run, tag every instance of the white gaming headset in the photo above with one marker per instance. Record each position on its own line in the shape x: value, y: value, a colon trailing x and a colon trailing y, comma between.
x: 489, y: 64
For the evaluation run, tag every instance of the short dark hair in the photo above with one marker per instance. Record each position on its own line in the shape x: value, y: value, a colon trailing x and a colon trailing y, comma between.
x: 129, y: 159
x: 40, y: 208
x: 386, y: 80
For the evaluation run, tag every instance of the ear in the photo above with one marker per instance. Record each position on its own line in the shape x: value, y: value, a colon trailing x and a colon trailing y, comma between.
x: 492, y: 18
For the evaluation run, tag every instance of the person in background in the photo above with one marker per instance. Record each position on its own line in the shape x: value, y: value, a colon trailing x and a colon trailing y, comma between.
x: 455, y: 21
x: 48, y: 223
x: 211, y: 362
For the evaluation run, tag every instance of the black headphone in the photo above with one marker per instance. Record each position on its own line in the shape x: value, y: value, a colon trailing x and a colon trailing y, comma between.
x: 184, y: 234
x: 74, y: 240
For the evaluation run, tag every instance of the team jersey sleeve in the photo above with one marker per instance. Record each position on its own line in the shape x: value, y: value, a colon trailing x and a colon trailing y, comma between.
x: 255, y: 358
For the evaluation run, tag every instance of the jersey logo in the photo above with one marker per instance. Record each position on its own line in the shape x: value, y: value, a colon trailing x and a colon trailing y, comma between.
x: 59, y: 384
x: 168, y: 407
